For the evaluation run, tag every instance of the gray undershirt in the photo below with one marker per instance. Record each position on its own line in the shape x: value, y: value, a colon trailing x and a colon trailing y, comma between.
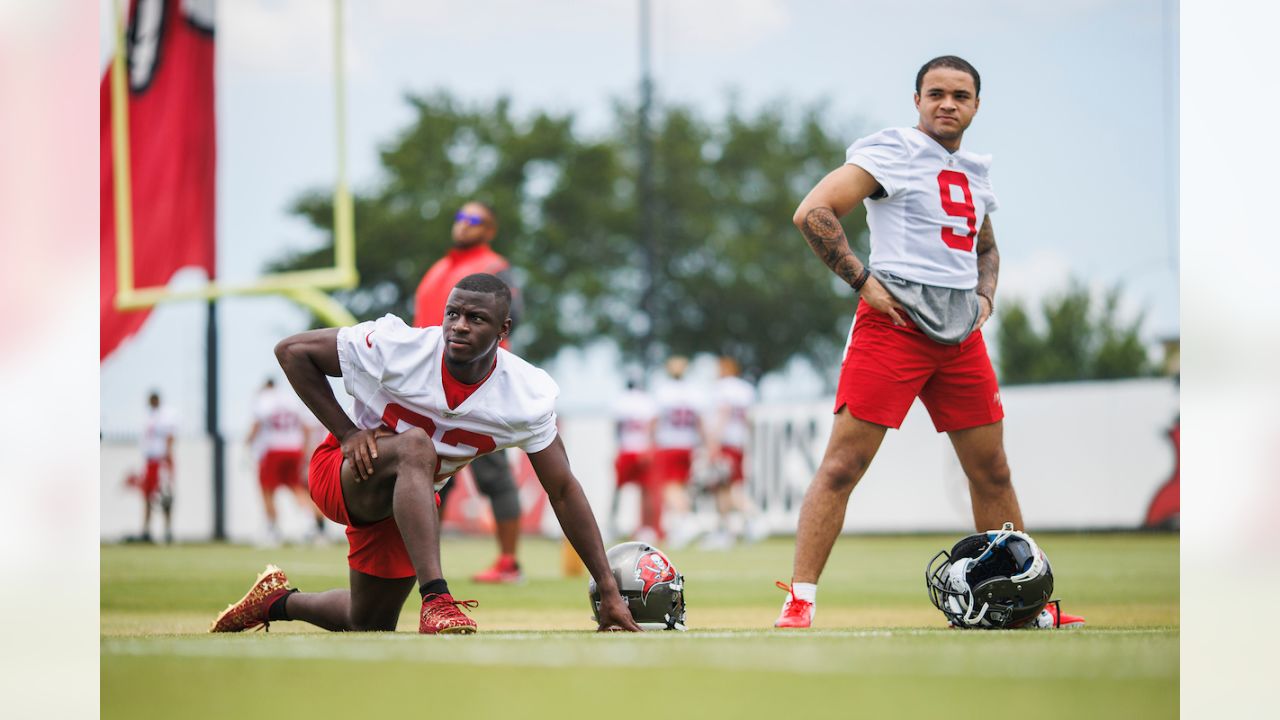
x: 946, y: 315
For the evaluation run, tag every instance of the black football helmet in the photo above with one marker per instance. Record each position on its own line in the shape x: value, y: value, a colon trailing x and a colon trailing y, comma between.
x: 995, y: 579
x: 651, y: 585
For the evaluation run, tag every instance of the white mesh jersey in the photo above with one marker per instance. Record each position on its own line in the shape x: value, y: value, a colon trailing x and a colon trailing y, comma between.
x: 633, y: 413
x: 925, y: 228
x: 395, y: 375
x: 734, y: 398
x: 281, y: 417
x: 678, y: 417
x: 160, y: 426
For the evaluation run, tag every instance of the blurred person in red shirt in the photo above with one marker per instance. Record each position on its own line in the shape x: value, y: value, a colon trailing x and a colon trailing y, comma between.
x: 474, y: 228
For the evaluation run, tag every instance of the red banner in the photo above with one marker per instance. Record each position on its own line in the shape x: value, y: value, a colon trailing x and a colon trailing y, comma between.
x: 169, y: 55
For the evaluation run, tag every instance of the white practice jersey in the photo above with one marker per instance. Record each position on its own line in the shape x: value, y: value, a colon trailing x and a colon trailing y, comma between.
x: 159, y: 428
x: 281, y: 417
x: 678, y: 415
x: 633, y: 413
x: 734, y: 398
x: 925, y: 228
x: 395, y: 375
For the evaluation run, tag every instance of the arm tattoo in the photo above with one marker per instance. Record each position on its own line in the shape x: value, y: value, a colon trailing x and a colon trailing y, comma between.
x: 825, y: 235
x: 988, y: 263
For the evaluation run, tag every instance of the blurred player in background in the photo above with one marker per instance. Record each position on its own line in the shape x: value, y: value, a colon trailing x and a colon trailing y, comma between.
x: 928, y: 288
x: 728, y: 432
x: 474, y: 228
x: 157, y: 477
x: 634, y: 414
x: 427, y: 402
x: 677, y: 432
x: 281, y: 433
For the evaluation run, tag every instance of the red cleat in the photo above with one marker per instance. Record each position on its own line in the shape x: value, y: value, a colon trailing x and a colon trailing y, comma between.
x: 251, y: 610
x: 504, y: 571
x: 796, y: 613
x: 1060, y: 619
x: 441, y: 616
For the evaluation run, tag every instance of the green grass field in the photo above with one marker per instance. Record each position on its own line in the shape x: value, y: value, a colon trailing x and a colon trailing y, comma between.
x: 878, y: 649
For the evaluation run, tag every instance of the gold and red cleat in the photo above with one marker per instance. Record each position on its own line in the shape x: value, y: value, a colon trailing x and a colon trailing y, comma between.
x: 504, y: 570
x: 441, y: 616
x: 1060, y: 619
x: 251, y: 610
x: 796, y: 613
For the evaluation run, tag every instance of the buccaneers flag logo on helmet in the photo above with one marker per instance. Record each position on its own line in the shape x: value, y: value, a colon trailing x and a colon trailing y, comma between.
x: 653, y: 569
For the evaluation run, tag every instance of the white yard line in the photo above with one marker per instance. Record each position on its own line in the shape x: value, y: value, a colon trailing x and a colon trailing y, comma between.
x: 578, y: 651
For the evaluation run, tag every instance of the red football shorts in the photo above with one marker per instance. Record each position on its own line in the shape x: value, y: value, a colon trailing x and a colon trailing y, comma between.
x: 376, y: 549
x: 632, y: 467
x: 279, y: 468
x: 886, y: 367
x: 672, y: 465
x: 151, y: 477
x: 732, y: 456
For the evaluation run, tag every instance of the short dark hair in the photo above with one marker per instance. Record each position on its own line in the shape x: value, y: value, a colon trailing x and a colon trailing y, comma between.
x: 488, y: 284
x: 955, y: 63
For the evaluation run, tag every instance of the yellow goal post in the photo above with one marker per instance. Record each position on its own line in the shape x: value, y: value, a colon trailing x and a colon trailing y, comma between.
x: 304, y: 286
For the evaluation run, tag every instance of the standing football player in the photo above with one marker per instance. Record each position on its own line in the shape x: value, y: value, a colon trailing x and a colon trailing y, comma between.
x: 157, y: 477
x: 427, y: 402
x: 280, y: 429
x: 727, y: 436
x: 634, y: 415
x: 925, y: 294
x: 677, y: 433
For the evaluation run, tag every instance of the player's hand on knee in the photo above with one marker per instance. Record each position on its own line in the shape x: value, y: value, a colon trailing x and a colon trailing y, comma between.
x: 874, y: 294
x: 359, y: 448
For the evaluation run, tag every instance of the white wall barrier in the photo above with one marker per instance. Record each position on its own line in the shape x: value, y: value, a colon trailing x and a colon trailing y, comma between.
x: 1084, y: 456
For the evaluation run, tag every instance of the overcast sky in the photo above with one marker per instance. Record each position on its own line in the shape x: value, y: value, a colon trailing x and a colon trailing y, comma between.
x: 1078, y: 108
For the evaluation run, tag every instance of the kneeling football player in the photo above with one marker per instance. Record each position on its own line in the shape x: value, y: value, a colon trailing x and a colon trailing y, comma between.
x: 427, y: 402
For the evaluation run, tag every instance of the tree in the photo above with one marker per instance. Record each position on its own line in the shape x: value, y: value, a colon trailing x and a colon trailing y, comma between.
x: 735, y: 275
x: 732, y: 275
x: 1079, y: 341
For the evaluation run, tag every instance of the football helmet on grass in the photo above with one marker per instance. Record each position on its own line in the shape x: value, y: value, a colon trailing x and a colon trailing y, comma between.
x: 651, y: 585
x: 995, y: 579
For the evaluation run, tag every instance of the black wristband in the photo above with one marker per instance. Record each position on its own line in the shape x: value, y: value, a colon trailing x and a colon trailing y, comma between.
x: 862, y: 279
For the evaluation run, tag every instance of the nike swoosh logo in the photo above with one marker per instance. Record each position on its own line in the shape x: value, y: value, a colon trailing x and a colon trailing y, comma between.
x: 367, y: 341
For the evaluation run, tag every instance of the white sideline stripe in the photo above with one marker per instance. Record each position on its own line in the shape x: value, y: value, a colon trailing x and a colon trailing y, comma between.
x: 628, y: 653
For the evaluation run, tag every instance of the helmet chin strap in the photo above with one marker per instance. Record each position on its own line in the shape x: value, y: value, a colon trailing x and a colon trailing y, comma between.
x: 975, y: 619
x: 959, y: 572
x: 957, y: 580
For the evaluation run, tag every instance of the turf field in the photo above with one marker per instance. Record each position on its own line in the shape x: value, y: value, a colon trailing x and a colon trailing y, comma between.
x: 879, y: 649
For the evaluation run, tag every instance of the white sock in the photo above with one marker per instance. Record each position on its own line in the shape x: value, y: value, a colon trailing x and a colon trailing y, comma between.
x: 806, y: 591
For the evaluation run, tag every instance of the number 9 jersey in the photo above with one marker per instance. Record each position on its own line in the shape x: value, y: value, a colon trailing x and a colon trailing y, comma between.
x: 925, y: 224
